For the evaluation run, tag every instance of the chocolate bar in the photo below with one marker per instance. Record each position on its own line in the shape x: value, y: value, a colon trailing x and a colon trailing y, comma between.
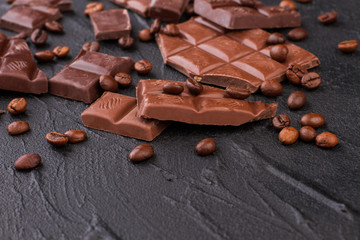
x: 62, y: 5
x: 18, y: 71
x: 111, y: 24
x: 227, y: 58
x: 25, y: 18
x: 117, y: 114
x: 232, y: 14
x: 79, y: 80
x: 165, y: 10
x: 211, y: 107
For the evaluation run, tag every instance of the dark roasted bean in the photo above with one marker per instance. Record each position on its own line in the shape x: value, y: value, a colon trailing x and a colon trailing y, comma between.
x: 54, y: 26
x: 237, y: 92
x: 275, y: 38
x: 27, y: 161
x: 171, y: 30
x: 311, y: 80
x: 281, y: 121
x: 205, y: 147
x: 296, y: 100
x: 126, y: 42
x: 108, y: 83
x: 155, y: 26
x: 326, y: 140
x: 44, y: 56
x: 295, y: 73
x: 279, y: 52
x: 328, y: 17
x: 173, y: 89
x: 143, y: 66
x: 57, y: 139
x: 349, y: 46
x: 271, y: 88
x: 141, y: 153
x: 145, y: 35
x: 297, y: 34
x: 307, y: 134
x: 288, y: 4
x: 123, y: 79
x: 39, y: 37
x: 91, y: 46
x: 195, y: 87
x: 76, y: 136
x: 18, y: 127
x: 17, y: 106
x: 288, y: 135
x: 93, y: 7
x: 314, y: 120
x: 61, y: 51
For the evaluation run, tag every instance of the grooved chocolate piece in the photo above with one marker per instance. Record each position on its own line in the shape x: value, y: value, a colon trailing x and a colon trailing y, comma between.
x: 26, y: 18
x: 211, y: 107
x: 62, y: 5
x: 79, y: 80
x: 18, y: 71
x: 117, y: 114
x: 233, y: 15
x: 165, y: 10
x: 111, y: 24
x: 225, y: 58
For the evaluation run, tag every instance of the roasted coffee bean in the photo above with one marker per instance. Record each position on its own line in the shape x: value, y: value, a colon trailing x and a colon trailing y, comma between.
x: 3, y: 37
x: 108, y: 83
x: 295, y: 73
x: 279, y: 52
x: 275, y: 38
x: 61, y: 51
x: 271, y: 88
x: 91, y: 46
x: 143, y: 66
x: 44, y: 56
x: 205, y: 147
x: 21, y: 35
x: 57, y: 139
x: 281, y: 121
x: 76, y: 136
x: 54, y: 26
x: 123, y: 79
x: 141, y: 153
x: 296, y: 100
x: 27, y: 161
x: 288, y: 4
x: 314, y: 120
x: 126, y: 42
x: 171, y: 30
x: 173, y: 89
x: 195, y: 87
x: 297, y: 34
x: 307, y: 134
x: 18, y: 127
x: 155, y: 26
x: 238, y: 92
x: 93, y: 7
x: 288, y: 135
x: 311, y: 80
x: 349, y: 46
x: 326, y: 140
x: 17, y: 106
x: 328, y: 17
x: 39, y: 37
x: 145, y: 35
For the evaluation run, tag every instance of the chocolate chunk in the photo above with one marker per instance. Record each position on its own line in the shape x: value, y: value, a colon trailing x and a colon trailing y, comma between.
x: 117, y: 113
x: 62, y: 5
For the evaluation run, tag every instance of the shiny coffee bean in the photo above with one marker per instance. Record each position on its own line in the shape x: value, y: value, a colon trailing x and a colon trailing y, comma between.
x: 205, y: 147
x: 123, y: 79
x: 195, y: 87
x: 307, y: 134
x: 281, y: 121
x: 173, y: 89
x: 145, y: 35
x: 155, y: 26
x: 39, y: 37
x: 76, y: 136
x: 17, y: 106
x: 54, y: 26
x: 271, y: 88
x: 61, y: 51
x: 238, y: 92
x: 108, y: 83
x: 295, y: 73
x: 57, y: 139
x: 297, y: 34
x: 171, y: 30
x: 44, y: 56
x: 141, y: 153
x: 328, y: 17
x: 275, y: 38
x: 288, y: 4
x: 279, y: 52
x: 296, y: 100
x: 326, y: 140
x: 126, y: 42
x: 314, y: 120
x: 21, y: 35
x: 288, y: 135
x: 311, y: 80
x: 27, y: 161
x: 349, y: 46
x: 93, y: 7
x: 91, y: 46
x: 143, y: 66
x: 18, y: 127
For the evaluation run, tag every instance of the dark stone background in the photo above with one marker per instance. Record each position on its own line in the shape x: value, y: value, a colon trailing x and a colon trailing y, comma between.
x: 252, y: 187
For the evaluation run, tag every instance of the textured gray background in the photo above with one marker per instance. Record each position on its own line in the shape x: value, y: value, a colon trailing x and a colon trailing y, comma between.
x: 252, y: 187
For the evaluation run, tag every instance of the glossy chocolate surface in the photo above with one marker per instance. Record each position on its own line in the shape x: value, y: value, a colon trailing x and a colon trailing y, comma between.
x: 62, y: 5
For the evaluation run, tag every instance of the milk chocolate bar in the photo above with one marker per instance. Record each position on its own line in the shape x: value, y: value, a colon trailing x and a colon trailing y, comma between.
x: 211, y: 107
x: 117, y: 114
x: 62, y: 5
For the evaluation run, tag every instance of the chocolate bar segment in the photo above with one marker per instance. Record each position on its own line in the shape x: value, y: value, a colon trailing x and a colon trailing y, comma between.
x: 62, y: 5
x: 79, y: 80
x: 211, y: 107
x: 233, y: 15
x: 117, y: 114
x: 111, y: 24
x: 227, y: 58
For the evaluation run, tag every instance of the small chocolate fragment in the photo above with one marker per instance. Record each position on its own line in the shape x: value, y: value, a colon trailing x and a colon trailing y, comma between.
x: 288, y: 135
x: 145, y: 35
x: 281, y: 121
x: 76, y: 136
x: 17, y: 106
x: 54, y: 26
x: 126, y: 42
x: 91, y: 46
x: 39, y: 37
x: 143, y: 66
x: 18, y: 127
x: 108, y: 83
x: 296, y: 100
x: 123, y: 79
x: 314, y: 120
x: 238, y: 92
x: 155, y: 26
x: 288, y: 4
x: 328, y: 17
x: 61, y: 51
x: 93, y: 8
x: 141, y: 153
x: 297, y: 34
x: 27, y: 161
x: 311, y: 80
x: 57, y: 139
x: 195, y: 87
x: 326, y: 140
x: 173, y: 89
x: 279, y: 52
x: 349, y: 46
x: 295, y: 73
x: 205, y: 147
x: 275, y: 38
x: 171, y: 30
x: 307, y: 134
x: 44, y: 56
x: 271, y: 88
